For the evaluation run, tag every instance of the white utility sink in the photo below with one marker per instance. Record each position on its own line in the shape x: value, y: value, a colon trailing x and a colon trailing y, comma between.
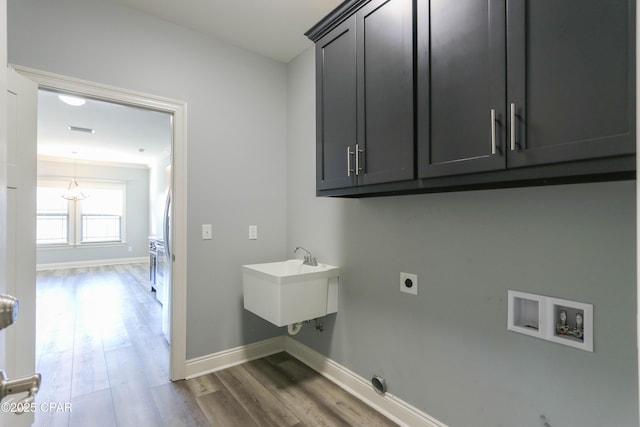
x: 288, y: 292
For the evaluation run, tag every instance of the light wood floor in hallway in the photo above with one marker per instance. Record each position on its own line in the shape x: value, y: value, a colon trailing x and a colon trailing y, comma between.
x: 100, y: 347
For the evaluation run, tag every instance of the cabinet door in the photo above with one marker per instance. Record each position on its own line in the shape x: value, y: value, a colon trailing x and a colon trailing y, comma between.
x: 571, y: 79
x: 336, y: 107
x: 461, y: 86
x: 385, y: 91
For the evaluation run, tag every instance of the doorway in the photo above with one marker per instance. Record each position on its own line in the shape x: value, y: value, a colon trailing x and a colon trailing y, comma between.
x: 177, y: 297
x: 104, y: 172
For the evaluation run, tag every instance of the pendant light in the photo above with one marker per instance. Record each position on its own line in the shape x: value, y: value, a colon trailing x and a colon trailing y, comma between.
x: 73, y: 190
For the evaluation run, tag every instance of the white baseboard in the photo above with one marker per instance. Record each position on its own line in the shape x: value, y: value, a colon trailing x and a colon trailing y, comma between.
x: 232, y: 357
x: 395, y: 409
x: 91, y: 263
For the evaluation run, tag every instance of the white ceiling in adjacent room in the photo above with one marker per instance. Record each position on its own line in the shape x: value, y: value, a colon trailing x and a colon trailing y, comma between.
x: 121, y: 133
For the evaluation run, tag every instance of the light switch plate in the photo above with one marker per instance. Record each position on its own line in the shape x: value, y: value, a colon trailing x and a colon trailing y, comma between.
x: 206, y: 231
x: 253, y: 232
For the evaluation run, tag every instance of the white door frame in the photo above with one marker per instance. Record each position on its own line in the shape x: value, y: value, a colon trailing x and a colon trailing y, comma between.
x: 178, y: 326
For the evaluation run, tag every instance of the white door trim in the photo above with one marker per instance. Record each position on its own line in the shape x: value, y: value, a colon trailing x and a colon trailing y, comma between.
x: 177, y: 357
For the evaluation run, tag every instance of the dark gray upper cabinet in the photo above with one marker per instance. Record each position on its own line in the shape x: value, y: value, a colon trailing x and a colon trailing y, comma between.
x: 570, y: 80
x: 336, y: 107
x: 364, y: 73
x: 440, y: 95
x: 461, y: 86
x: 537, y: 83
x: 385, y: 91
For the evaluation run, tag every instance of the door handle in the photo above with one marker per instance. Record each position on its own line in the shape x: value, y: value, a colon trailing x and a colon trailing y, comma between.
x: 357, y: 153
x: 30, y: 384
x: 493, y: 131
x: 349, y: 154
x: 513, y: 127
x: 9, y: 308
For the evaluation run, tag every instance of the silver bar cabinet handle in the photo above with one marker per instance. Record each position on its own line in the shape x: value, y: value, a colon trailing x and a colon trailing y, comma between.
x: 357, y: 153
x: 348, y: 161
x: 513, y: 127
x: 493, y: 131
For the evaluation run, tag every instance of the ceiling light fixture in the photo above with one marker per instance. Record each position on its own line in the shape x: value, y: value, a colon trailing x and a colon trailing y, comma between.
x: 72, y: 100
x: 73, y: 192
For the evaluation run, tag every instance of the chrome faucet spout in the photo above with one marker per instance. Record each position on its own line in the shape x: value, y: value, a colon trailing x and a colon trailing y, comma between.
x: 300, y: 248
x: 308, y: 259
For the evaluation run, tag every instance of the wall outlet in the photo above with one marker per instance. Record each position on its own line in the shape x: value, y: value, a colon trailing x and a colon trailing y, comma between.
x: 409, y: 283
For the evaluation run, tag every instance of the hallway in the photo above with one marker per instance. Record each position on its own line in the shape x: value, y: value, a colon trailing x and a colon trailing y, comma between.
x: 99, y: 345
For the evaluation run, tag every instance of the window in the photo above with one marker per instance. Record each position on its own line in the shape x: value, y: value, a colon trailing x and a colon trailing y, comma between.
x: 52, y: 221
x: 101, y: 215
x: 97, y: 219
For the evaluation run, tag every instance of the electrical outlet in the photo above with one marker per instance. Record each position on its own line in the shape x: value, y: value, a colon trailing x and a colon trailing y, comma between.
x: 253, y: 232
x: 409, y: 283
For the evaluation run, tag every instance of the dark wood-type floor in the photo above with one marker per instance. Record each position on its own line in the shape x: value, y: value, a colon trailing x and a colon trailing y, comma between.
x: 100, y: 347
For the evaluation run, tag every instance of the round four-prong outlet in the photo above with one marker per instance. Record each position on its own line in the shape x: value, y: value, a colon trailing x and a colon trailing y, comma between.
x: 409, y: 283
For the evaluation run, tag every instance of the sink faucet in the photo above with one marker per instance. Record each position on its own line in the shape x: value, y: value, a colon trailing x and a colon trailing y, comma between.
x: 308, y: 259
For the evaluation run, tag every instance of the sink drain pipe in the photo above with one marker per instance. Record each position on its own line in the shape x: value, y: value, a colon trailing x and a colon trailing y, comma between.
x: 294, y: 328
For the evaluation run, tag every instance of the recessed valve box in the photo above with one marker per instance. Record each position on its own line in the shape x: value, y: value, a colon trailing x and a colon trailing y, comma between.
x: 552, y: 319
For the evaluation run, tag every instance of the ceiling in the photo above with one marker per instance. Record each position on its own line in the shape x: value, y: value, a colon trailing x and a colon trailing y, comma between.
x: 125, y: 134
x: 272, y: 28
x: 122, y: 134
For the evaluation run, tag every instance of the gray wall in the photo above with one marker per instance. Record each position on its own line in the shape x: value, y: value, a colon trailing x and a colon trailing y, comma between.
x: 236, y: 138
x: 447, y: 351
x: 136, y: 214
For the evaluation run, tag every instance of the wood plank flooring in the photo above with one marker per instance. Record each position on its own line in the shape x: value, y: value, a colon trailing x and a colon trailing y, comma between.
x: 100, y: 347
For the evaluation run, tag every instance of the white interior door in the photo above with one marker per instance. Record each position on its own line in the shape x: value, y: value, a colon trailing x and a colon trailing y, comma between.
x: 21, y: 229
x: 3, y: 178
